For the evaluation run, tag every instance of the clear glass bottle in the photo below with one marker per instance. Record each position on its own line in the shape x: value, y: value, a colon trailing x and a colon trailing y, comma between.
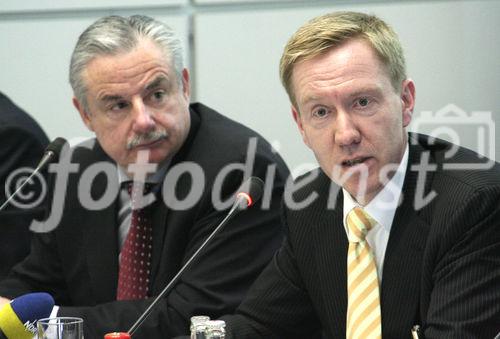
x: 198, y: 326
x: 215, y: 329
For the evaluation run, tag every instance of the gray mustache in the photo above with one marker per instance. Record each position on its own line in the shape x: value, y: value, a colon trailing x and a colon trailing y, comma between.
x: 146, y: 138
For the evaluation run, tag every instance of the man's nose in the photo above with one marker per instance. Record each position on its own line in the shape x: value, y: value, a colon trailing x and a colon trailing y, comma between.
x: 142, y: 115
x: 346, y: 130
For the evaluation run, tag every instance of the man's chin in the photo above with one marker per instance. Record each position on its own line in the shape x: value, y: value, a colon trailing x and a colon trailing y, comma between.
x: 159, y: 156
x: 133, y: 163
x: 362, y: 192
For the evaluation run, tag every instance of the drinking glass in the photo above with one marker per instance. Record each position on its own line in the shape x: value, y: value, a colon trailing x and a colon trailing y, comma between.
x: 60, y: 328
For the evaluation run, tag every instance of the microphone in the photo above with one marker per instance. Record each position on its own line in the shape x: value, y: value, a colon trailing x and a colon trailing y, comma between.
x: 248, y: 194
x: 51, y: 154
x: 18, y: 318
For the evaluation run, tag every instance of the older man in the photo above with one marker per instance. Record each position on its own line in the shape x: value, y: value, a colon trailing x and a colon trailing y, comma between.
x: 401, y: 231
x: 105, y: 261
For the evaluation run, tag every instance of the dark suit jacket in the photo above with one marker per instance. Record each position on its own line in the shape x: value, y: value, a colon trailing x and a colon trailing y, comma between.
x: 441, y: 267
x: 22, y: 145
x: 78, y: 262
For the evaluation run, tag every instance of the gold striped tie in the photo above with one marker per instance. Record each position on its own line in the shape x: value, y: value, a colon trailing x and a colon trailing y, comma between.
x: 363, y: 306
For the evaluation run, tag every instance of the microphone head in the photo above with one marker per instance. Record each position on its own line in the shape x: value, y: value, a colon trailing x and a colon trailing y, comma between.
x: 33, y: 306
x: 251, y: 191
x: 55, y: 147
x: 117, y: 335
x: 18, y: 318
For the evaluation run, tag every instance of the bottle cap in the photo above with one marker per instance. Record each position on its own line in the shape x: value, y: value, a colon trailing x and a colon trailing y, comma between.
x: 198, y: 323
x: 216, y: 323
x: 117, y: 335
x: 198, y: 319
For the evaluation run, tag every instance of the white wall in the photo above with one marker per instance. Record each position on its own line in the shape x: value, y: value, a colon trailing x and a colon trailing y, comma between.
x: 40, y: 6
x: 452, y: 48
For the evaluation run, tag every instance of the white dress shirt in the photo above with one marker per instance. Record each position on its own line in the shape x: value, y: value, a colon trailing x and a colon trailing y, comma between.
x: 382, y: 209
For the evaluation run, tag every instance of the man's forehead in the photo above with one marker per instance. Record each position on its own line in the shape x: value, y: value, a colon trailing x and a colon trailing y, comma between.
x: 128, y: 73
x: 113, y: 93
x: 357, y: 68
x: 160, y: 81
x: 129, y: 63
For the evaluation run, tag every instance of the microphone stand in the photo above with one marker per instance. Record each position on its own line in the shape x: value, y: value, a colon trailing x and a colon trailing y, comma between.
x: 239, y: 205
x: 46, y: 158
x: 51, y: 153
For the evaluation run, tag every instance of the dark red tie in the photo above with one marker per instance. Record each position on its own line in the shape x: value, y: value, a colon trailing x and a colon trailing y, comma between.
x: 135, y: 261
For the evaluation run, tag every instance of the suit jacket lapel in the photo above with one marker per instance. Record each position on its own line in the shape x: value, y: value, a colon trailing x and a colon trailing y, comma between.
x: 403, y: 258
x: 163, y: 252
x: 331, y: 257
x: 159, y: 233
x: 101, y: 241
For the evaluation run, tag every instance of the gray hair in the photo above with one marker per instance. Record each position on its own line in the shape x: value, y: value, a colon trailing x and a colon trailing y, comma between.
x: 112, y: 35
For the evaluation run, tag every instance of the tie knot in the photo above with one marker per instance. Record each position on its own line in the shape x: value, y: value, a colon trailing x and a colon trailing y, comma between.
x: 138, y: 192
x: 359, y: 223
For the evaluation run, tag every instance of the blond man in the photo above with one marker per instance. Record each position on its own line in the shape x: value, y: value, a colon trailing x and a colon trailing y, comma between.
x: 401, y: 233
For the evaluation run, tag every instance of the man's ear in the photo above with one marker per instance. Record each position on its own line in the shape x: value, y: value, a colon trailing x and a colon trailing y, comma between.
x: 83, y: 114
x: 407, y: 100
x: 298, y: 121
x: 186, y: 88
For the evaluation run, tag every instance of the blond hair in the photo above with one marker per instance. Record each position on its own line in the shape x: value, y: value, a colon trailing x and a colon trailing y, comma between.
x: 331, y: 30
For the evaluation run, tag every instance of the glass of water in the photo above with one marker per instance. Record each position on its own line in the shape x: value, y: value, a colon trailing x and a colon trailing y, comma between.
x: 60, y: 328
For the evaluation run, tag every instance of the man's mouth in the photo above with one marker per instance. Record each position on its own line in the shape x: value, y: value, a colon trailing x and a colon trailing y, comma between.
x: 354, y: 162
x: 150, y: 143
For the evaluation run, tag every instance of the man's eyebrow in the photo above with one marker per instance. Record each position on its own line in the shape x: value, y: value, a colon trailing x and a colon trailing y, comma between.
x: 157, y: 82
x: 370, y: 90
x: 374, y: 90
x: 309, y: 99
x: 111, y: 97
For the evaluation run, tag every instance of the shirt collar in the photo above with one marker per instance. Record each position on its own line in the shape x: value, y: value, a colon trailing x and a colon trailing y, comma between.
x: 383, y: 206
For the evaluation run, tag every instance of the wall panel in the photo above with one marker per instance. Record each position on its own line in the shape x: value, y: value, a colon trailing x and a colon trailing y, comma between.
x: 60, y: 5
